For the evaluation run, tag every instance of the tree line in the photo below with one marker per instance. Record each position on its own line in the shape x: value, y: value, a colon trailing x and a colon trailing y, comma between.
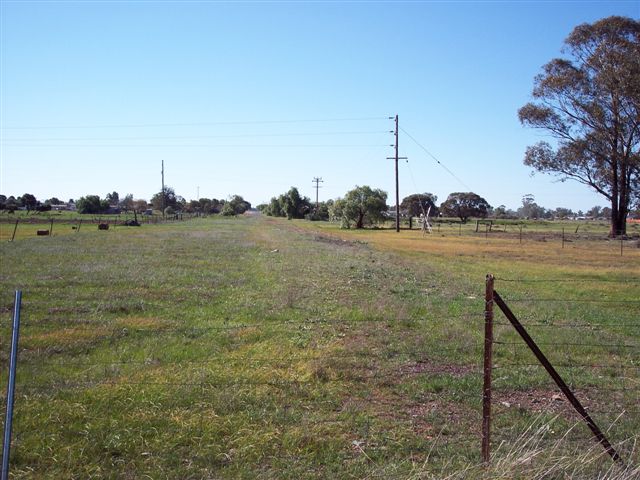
x: 167, y: 202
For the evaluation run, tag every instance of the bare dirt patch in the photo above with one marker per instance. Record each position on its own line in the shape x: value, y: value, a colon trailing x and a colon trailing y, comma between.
x: 553, y: 401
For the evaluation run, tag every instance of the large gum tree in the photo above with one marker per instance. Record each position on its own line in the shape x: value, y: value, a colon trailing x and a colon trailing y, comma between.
x: 590, y: 103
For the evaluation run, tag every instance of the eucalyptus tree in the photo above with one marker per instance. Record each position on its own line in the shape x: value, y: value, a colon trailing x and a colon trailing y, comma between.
x: 590, y: 103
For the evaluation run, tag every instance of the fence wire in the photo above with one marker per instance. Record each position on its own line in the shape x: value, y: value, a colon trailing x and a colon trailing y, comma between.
x: 599, y: 359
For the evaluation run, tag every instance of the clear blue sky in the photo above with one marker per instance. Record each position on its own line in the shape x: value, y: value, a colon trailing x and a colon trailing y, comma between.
x: 251, y: 98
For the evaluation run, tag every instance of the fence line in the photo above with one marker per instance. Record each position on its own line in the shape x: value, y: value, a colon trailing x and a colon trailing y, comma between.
x: 603, y: 385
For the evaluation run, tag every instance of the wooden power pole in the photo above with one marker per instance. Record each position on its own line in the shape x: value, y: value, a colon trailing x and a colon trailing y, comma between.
x: 317, y: 181
x: 396, y: 158
x: 163, y: 199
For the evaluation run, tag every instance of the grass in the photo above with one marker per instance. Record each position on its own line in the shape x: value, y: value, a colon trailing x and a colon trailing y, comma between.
x: 261, y: 348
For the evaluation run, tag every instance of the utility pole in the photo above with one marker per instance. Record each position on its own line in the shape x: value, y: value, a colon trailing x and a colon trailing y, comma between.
x: 162, y: 172
x: 396, y: 158
x: 198, y: 194
x: 317, y: 181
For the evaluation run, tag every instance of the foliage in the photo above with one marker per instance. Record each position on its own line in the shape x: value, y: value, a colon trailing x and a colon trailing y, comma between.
x: 170, y: 199
x: 290, y: 205
x: 530, y: 209
x: 92, y: 204
x: 361, y: 206
x: 29, y: 201
x: 113, y: 198
x: 126, y: 203
x: 236, y: 205
x: 205, y: 205
x: 590, y: 103
x: 321, y: 212
x: 140, y: 205
x: 465, y: 205
x: 419, y: 204
x: 503, y: 212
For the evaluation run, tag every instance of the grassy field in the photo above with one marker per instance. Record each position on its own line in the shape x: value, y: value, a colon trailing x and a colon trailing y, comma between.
x: 21, y: 224
x: 261, y: 348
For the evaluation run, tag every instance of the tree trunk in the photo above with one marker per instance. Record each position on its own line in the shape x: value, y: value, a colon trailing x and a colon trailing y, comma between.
x: 360, y: 222
x: 618, y: 223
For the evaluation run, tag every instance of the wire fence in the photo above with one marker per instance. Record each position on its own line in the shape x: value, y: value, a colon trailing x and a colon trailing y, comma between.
x: 598, y: 359
x: 84, y: 364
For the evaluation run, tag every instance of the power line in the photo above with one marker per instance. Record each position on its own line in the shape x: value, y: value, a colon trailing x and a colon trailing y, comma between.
x: 193, y: 124
x: 436, y: 159
x: 116, y: 145
x: 192, y: 137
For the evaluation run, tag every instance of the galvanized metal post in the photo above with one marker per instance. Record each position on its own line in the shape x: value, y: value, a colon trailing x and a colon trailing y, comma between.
x: 488, y: 359
x: 13, y: 363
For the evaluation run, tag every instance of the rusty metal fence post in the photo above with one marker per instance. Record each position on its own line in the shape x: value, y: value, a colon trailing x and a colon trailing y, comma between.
x: 488, y: 359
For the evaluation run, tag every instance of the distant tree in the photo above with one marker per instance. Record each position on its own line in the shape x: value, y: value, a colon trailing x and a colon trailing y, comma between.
x: 170, y: 199
x: 3, y: 202
x: 296, y: 206
x: 113, y: 198
x: 289, y: 204
x: 321, y: 212
x: 275, y: 207
x: 590, y: 103
x: 502, y: 212
x: 126, y: 204
x: 140, y: 205
x: 530, y: 209
x: 92, y: 204
x: 465, y: 205
x: 419, y: 203
x: 29, y: 201
x: 361, y: 206
x: 43, y: 207
x: 236, y: 205
x: 594, y: 212
x: 12, y: 203
x: 53, y: 201
x: 193, y: 206
x: 561, y: 212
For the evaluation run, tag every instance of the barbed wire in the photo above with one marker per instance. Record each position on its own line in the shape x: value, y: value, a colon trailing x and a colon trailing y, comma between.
x: 569, y: 280
x: 417, y: 356
x: 570, y: 344
x: 570, y: 300
x: 569, y: 366
x: 594, y: 326
x: 120, y: 324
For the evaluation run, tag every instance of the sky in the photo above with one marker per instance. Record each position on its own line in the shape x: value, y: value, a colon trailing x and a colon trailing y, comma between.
x: 251, y: 98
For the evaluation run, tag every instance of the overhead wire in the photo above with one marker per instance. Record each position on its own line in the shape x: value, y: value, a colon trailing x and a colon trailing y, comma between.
x: 436, y: 159
x: 193, y: 124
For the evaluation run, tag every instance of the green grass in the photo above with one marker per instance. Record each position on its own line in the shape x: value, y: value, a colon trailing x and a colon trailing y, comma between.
x: 261, y: 348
